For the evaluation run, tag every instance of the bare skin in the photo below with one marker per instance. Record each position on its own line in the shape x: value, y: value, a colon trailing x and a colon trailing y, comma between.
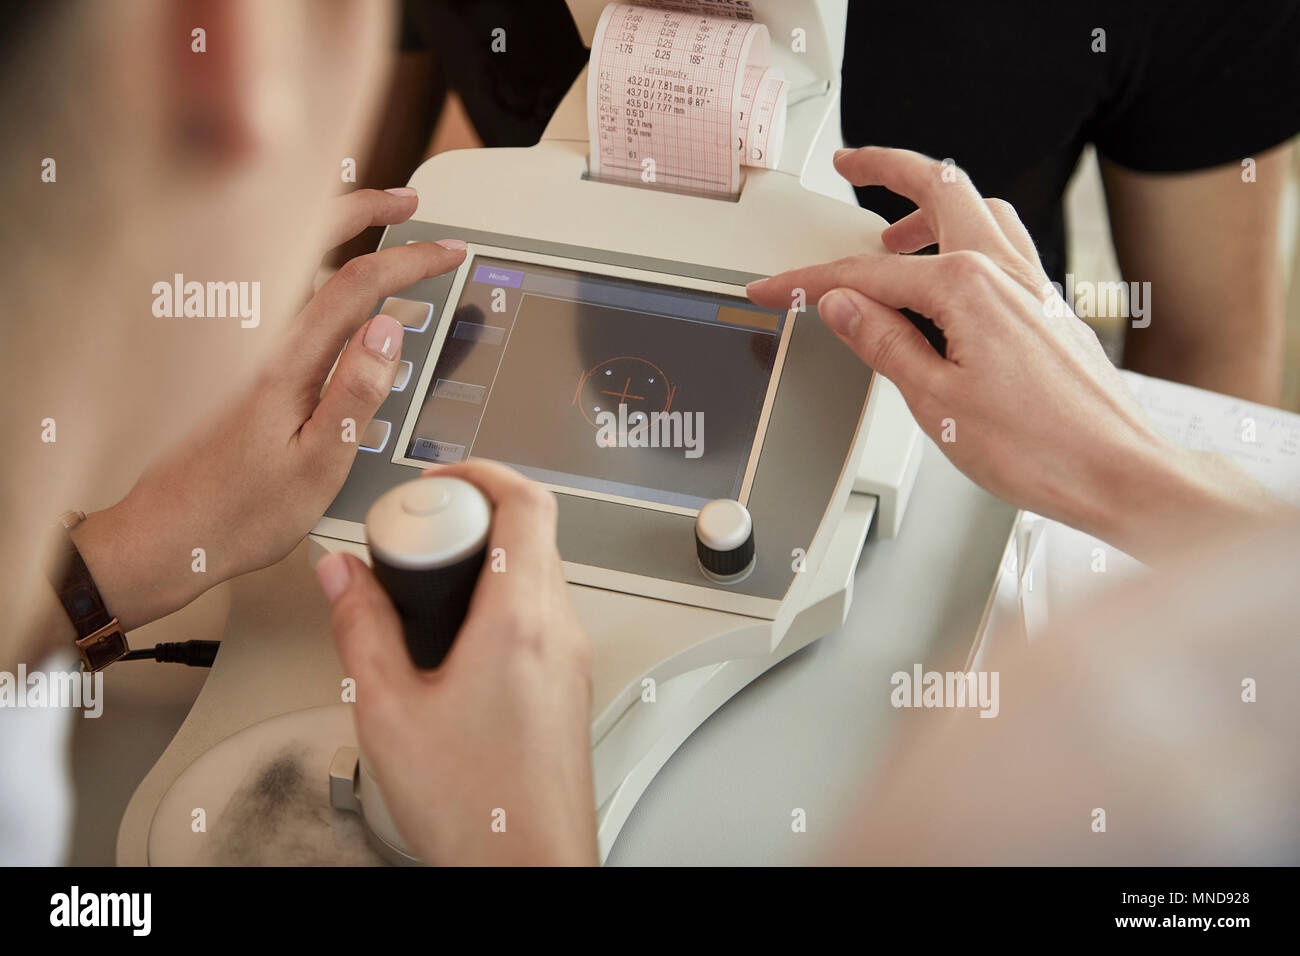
x: 503, y: 725
x: 1207, y: 241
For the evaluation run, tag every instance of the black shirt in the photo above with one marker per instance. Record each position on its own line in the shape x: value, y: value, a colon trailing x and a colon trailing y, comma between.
x: 1010, y: 90
x: 1013, y: 91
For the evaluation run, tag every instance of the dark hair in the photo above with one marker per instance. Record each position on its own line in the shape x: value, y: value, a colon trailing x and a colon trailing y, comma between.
x: 24, y: 25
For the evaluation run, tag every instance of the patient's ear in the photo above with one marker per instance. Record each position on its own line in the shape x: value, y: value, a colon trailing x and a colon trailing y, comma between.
x: 213, y: 86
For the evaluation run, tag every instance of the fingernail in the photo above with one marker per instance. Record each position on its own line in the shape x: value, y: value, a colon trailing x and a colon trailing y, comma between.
x: 456, y: 245
x: 838, y: 311
x: 752, y: 285
x: 842, y: 152
x: 333, y: 574
x: 403, y: 191
x: 384, y: 336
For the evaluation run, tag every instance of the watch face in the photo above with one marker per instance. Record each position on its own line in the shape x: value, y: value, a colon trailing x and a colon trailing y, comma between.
x: 102, y: 648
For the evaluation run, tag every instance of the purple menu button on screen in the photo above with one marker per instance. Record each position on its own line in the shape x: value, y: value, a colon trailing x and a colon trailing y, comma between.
x: 502, y: 277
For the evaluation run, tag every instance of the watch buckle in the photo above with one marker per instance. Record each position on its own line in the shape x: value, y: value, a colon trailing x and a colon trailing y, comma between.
x: 103, y: 647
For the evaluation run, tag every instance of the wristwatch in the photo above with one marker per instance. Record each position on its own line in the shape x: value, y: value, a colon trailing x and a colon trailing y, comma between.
x: 100, y: 640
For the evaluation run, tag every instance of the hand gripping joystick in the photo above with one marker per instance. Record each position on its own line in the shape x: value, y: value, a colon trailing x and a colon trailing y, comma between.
x: 428, y: 540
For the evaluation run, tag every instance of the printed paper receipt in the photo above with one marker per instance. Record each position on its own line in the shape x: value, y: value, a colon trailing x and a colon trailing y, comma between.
x: 679, y: 99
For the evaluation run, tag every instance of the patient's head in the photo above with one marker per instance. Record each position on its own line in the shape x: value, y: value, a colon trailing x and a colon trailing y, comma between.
x: 145, y: 139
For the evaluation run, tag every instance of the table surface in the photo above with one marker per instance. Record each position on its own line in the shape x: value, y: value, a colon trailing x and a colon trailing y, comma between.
x: 812, y: 732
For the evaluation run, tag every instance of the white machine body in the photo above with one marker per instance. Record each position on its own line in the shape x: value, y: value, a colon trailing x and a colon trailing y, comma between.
x: 686, y: 646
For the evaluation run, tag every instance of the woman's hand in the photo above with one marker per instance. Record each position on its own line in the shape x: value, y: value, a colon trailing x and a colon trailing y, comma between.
x: 1026, y: 402
x: 247, y: 487
x: 500, y: 732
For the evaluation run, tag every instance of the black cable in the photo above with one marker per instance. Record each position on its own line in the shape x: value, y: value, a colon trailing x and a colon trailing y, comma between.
x: 191, y: 653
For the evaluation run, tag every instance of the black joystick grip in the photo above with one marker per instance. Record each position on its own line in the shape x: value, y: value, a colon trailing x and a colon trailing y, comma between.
x: 428, y: 542
x: 432, y: 603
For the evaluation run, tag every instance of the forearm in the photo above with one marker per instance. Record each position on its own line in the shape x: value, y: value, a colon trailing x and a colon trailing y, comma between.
x: 140, y: 573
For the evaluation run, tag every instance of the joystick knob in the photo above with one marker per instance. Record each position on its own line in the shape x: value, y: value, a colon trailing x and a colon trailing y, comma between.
x: 724, y: 541
x: 428, y: 541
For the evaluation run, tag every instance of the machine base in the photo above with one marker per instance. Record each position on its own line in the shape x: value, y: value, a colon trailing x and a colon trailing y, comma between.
x: 309, y: 758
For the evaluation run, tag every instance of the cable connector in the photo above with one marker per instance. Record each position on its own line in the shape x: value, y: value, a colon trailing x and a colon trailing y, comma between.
x: 190, y: 653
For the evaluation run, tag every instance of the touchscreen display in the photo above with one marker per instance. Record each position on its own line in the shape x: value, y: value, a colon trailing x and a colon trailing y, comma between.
x: 601, y: 384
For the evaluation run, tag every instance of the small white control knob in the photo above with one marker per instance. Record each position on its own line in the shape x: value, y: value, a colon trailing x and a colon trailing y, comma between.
x: 724, y: 541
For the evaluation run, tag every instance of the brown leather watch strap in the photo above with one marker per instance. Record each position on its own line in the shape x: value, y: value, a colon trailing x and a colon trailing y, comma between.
x: 100, y: 640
